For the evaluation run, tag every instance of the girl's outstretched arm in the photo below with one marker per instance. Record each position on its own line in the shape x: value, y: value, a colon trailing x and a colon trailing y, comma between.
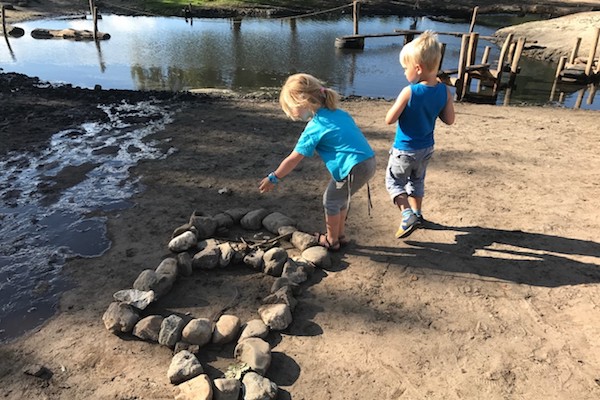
x: 286, y: 166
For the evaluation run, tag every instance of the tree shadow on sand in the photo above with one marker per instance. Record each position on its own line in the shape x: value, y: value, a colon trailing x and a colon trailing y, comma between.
x: 517, y: 256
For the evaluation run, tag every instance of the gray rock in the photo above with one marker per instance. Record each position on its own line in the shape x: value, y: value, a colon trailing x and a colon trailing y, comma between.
x: 276, y: 220
x: 318, y: 255
x: 253, y: 220
x: 192, y: 348
x: 224, y: 220
x: 198, y: 331
x: 150, y: 280
x: 184, y: 366
x: 205, y: 226
x: 254, y: 328
x: 170, y: 330
x: 226, y: 389
x: 302, y: 240
x: 283, y: 296
x: 120, y: 317
x: 226, y: 329
x: 257, y: 387
x: 273, y: 261
x: 208, y: 258
x: 276, y: 316
x: 227, y: 254
x: 183, y: 242
x: 135, y: 298
x: 237, y: 214
x: 148, y: 328
x: 281, y: 282
x: 294, y: 272
x: 255, y: 352
x: 286, y: 230
x: 184, y: 264
x: 255, y: 259
x: 198, y: 388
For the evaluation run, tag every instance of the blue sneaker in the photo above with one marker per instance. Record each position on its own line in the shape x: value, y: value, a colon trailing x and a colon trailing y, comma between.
x: 409, y: 223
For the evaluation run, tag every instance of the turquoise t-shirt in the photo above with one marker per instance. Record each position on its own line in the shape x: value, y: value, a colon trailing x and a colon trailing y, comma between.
x: 414, y: 130
x: 333, y: 134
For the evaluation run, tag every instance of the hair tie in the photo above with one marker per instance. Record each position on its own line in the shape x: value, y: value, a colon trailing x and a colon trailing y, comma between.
x: 322, y: 90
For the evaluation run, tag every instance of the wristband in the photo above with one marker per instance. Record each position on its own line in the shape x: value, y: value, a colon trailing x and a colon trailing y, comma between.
x: 273, y: 178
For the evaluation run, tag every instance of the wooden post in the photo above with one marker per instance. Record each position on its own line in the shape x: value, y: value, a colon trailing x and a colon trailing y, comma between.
x: 473, y: 18
x: 590, y: 61
x: 514, y: 67
x: 579, y: 99
x: 355, y: 15
x: 4, y: 21
x: 484, y: 60
x: 592, y: 94
x: 462, y: 61
x: 575, y: 51
x: 561, y: 66
x: 92, y: 5
x: 443, y: 52
x: 471, y: 53
x: 95, y: 23
x: 501, y: 59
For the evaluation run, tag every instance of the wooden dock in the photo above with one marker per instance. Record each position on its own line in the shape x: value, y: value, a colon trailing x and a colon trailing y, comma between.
x: 579, y: 69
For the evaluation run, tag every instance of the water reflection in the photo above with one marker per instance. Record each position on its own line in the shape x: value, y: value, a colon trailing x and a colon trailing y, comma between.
x: 173, y: 54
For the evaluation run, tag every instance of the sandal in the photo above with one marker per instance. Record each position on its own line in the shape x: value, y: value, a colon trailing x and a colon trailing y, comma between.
x: 323, y: 241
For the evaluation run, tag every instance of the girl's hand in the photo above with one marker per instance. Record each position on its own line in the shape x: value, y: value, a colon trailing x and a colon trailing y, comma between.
x: 266, y: 185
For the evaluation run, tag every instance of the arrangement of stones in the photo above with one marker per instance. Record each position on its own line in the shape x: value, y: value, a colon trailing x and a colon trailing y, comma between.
x: 195, y: 246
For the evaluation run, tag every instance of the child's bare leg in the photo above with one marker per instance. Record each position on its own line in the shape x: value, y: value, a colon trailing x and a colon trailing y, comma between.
x: 415, y: 203
x: 333, y: 223
x: 342, y: 225
x: 402, y: 202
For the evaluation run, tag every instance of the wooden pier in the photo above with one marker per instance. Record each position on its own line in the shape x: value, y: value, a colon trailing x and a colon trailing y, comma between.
x: 468, y: 69
x: 579, y: 69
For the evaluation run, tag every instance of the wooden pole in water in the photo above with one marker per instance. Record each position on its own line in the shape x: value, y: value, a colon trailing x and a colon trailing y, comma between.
x: 3, y: 9
x: 514, y: 67
x: 579, y: 99
x: 575, y: 51
x: 356, y: 15
x: 442, y: 51
x: 484, y: 60
x: 592, y: 94
x: 95, y: 23
x: 470, y: 59
x: 590, y: 61
x: 501, y: 59
x: 462, y: 60
x: 473, y: 18
x: 92, y: 8
x: 561, y: 66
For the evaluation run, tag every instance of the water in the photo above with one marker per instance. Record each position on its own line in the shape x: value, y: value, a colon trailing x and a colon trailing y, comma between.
x: 171, y: 54
x: 39, y: 233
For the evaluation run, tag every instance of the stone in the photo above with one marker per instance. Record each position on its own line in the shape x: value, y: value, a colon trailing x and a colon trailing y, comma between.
x: 282, y: 296
x: 274, y: 260
x: 120, y: 318
x: 257, y: 387
x: 237, y: 214
x: 192, y: 348
x: 318, y: 255
x: 226, y: 389
x: 254, y: 328
x: 184, y: 366
x: 294, y: 272
x: 276, y: 220
x: 281, y: 282
x: 135, y: 298
x: 168, y: 266
x: 224, y: 220
x: 207, y: 259
x: 150, y: 280
x: 184, y: 264
x: 183, y: 242
x: 170, y: 330
x: 226, y: 329
x: 253, y: 220
x: 255, y: 259
x: 198, y: 331
x: 255, y: 352
x: 205, y: 226
x: 226, y: 254
x: 286, y: 230
x: 198, y: 388
x: 303, y: 240
x: 275, y: 316
x: 148, y: 328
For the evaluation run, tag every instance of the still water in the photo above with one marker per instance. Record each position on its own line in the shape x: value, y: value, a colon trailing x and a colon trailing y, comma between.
x: 173, y: 54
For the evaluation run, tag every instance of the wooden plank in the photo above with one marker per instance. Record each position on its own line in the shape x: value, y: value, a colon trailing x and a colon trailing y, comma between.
x: 590, y: 63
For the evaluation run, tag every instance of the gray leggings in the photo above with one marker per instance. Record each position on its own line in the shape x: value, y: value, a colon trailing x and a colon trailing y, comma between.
x: 337, y: 195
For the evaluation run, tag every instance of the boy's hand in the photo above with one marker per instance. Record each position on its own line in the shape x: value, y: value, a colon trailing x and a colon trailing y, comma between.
x: 265, y: 185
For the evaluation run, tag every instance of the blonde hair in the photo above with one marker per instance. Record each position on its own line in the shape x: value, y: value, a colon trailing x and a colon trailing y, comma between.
x: 304, y: 90
x: 424, y: 50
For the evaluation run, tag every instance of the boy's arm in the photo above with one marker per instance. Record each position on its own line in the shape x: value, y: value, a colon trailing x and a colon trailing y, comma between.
x: 447, y: 113
x: 396, y: 110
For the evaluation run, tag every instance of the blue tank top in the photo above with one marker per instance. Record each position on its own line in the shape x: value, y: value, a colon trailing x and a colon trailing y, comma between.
x: 414, y: 130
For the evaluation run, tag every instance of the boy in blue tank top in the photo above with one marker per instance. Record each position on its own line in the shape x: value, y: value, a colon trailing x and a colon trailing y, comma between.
x: 414, y: 112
